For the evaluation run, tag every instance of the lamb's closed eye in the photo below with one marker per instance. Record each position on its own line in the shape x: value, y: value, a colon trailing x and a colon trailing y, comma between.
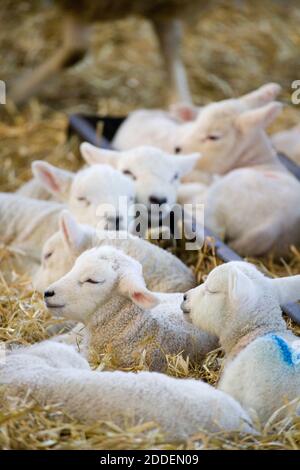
x: 129, y: 173
x: 209, y: 290
x: 213, y: 137
x: 48, y: 255
x: 91, y: 281
x: 83, y: 199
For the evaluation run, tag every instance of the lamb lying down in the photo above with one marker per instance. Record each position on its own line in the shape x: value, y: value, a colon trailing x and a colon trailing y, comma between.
x: 55, y: 373
x: 106, y: 291
x: 156, y: 176
x: 165, y: 130
x: 242, y: 307
x: 100, y: 196
x: 163, y: 272
x: 255, y: 205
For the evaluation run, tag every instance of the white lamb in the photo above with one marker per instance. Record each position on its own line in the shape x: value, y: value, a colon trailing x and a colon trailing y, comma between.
x: 55, y: 373
x: 242, y: 307
x: 156, y: 176
x: 255, y: 207
x: 167, y: 130
x: 163, y: 271
x: 98, y: 196
x: 106, y: 291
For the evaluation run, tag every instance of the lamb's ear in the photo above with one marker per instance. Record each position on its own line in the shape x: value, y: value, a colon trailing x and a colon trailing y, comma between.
x: 94, y: 155
x: 55, y: 180
x: 184, y: 112
x: 287, y: 289
x: 132, y: 285
x: 241, y: 289
x: 73, y: 233
x: 186, y: 163
x: 259, y: 117
x: 263, y: 95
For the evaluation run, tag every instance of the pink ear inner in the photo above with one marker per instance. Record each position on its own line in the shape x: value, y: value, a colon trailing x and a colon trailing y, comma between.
x: 187, y: 114
x: 51, y: 181
x: 66, y: 233
x: 138, y: 297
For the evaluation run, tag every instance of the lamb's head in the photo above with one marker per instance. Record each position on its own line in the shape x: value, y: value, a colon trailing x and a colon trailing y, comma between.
x: 155, y: 173
x: 223, y: 132
x: 61, y: 250
x: 236, y: 298
x: 99, y: 196
x: 97, y: 276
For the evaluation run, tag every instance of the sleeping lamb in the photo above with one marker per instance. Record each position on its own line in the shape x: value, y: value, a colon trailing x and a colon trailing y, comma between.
x: 100, y: 196
x: 242, y: 307
x: 106, y: 291
x: 163, y: 271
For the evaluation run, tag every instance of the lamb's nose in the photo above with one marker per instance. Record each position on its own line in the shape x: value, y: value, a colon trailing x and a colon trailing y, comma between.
x: 49, y: 293
x: 157, y: 200
x: 177, y: 149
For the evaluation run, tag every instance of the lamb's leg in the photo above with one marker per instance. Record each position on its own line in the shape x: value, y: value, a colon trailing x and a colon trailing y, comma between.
x: 74, y: 46
x: 169, y: 34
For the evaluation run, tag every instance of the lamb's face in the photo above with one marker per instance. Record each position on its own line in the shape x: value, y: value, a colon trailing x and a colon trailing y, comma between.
x: 225, y: 133
x: 231, y: 293
x: 56, y: 260
x: 101, y: 196
x: 155, y: 174
x: 215, y: 135
x: 88, y: 285
x: 97, y: 276
x: 206, y: 305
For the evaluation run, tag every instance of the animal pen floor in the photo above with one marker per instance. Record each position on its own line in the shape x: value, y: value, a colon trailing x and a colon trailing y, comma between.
x: 230, y: 51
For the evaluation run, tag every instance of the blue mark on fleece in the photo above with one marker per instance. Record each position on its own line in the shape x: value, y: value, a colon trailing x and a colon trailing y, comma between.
x: 290, y: 355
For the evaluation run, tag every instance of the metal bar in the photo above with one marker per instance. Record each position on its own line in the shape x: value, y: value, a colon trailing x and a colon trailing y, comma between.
x: 84, y: 129
x: 290, y: 165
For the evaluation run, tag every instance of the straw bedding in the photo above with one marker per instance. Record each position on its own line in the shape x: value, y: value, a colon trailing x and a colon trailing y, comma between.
x: 230, y: 51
